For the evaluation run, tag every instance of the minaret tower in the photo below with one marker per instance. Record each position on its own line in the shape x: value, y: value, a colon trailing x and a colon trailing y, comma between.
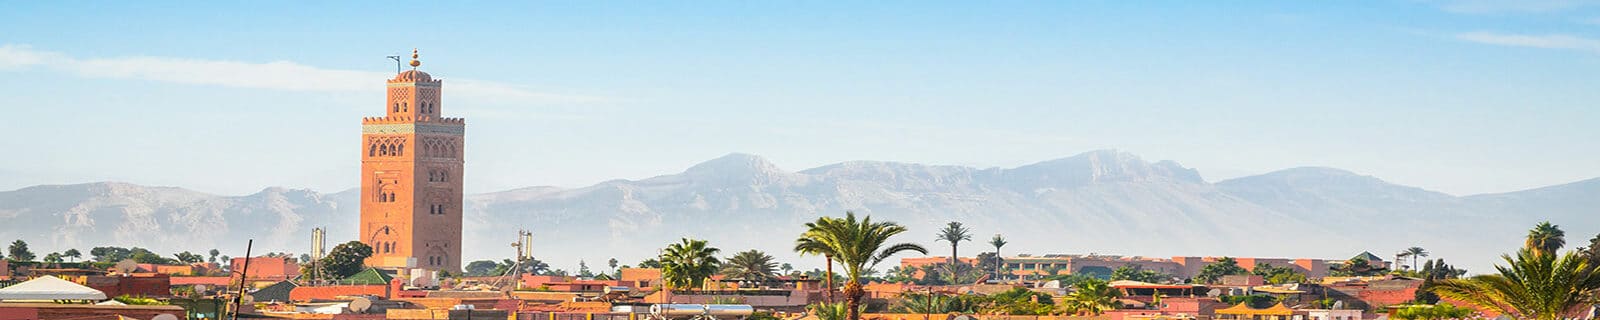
x: 411, y: 177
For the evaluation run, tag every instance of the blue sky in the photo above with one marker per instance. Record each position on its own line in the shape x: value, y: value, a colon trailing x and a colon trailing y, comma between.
x: 1462, y: 97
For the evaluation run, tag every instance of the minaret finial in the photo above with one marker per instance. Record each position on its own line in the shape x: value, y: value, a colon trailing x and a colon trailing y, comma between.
x: 414, y: 61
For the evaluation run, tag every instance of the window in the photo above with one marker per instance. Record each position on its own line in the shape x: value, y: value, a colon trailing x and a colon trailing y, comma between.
x: 396, y: 107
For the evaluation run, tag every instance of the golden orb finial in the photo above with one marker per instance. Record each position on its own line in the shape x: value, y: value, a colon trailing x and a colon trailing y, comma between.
x: 414, y: 62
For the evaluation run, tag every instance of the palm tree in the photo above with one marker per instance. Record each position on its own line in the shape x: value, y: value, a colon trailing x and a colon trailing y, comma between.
x: 1545, y: 238
x: 73, y: 254
x: 1092, y: 297
x: 1401, y: 256
x: 1536, y: 285
x: 687, y: 264
x: 752, y: 265
x: 1415, y: 252
x: 954, y: 233
x: 857, y: 245
x: 998, y: 241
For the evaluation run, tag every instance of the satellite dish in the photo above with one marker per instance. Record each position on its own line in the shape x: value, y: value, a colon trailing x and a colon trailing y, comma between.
x: 199, y: 288
x: 1338, y: 305
x: 965, y: 317
x: 360, y: 305
x: 165, y: 316
x: 127, y: 266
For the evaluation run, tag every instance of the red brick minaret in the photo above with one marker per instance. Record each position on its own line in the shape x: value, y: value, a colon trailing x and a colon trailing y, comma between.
x: 411, y: 178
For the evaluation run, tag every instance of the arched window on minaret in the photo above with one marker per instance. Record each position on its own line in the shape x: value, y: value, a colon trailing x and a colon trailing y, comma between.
x: 404, y: 107
x: 400, y: 149
x: 373, y: 150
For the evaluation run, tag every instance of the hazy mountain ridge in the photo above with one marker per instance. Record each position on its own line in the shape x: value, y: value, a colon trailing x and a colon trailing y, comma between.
x: 1102, y: 201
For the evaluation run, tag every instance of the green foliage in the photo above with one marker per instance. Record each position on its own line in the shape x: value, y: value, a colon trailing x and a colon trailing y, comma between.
x: 481, y: 268
x: 954, y: 233
x: 344, y: 260
x: 1591, y: 252
x: 726, y: 300
x: 857, y: 246
x: 687, y: 264
x: 762, y: 315
x: 1545, y: 238
x: 1137, y: 273
x: 72, y: 254
x: 1432, y: 272
x: 1091, y: 297
x: 833, y: 311
x: 53, y: 258
x: 213, y: 252
x: 1414, y: 253
x: 650, y: 263
x: 187, y: 257
x: 1213, y: 272
x: 752, y: 265
x: 583, y: 269
x: 1357, y: 268
x: 1534, y: 285
x: 1430, y: 312
x: 1019, y: 301
x: 1069, y: 280
x: 1278, y: 275
x: 19, y: 251
x: 138, y: 300
x: 936, y: 303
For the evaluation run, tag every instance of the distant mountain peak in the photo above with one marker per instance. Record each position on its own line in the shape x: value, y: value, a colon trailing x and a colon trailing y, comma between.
x: 736, y: 167
x: 1104, y: 166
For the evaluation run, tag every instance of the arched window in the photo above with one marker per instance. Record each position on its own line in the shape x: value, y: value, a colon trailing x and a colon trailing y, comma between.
x: 373, y: 151
x: 396, y: 107
x: 400, y: 149
x: 404, y: 107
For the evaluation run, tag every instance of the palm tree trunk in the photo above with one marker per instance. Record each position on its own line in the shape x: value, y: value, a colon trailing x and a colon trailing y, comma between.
x: 829, y: 281
x: 852, y: 294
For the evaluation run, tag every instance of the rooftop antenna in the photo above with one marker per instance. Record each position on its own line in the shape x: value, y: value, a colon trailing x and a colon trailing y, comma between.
x: 397, y: 62
x: 318, y: 247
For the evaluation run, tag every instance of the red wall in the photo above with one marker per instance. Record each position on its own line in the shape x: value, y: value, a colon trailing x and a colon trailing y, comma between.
x: 331, y: 292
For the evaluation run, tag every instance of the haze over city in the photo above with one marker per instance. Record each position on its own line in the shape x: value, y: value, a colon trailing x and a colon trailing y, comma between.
x: 1389, y: 159
x: 1463, y: 97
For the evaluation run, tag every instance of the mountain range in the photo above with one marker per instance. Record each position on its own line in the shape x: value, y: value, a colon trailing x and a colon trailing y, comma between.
x: 1103, y: 202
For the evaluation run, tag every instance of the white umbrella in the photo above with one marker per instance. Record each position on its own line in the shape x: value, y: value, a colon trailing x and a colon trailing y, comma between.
x: 50, y: 288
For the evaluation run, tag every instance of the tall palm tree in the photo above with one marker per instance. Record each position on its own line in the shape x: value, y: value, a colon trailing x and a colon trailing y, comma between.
x: 998, y: 241
x: 1535, y: 285
x: 1398, y: 257
x: 954, y: 233
x: 857, y: 245
x: 687, y: 264
x: 753, y: 265
x: 1545, y: 238
x: 1415, y: 252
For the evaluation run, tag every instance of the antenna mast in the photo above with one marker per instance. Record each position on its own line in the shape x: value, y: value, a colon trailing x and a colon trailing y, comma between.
x: 397, y: 62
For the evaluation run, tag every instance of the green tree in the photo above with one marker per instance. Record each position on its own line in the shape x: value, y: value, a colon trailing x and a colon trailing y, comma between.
x: 72, y: 254
x: 142, y: 255
x: 1535, y: 284
x: 687, y: 264
x: 1592, y: 252
x: 787, y: 268
x: 1278, y: 275
x: 481, y: 268
x: 52, y: 257
x: 954, y: 233
x: 857, y: 245
x: 650, y: 263
x: 1137, y: 273
x: 1223, y: 267
x: 999, y: 261
x: 1414, y: 253
x: 751, y: 265
x: 110, y: 254
x: 187, y: 257
x: 1091, y: 297
x: 1430, y: 312
x: 214, y: 254
x: 19, y: 251
x: 583, y: 270
x: 345, y: 260
x: 1357, y: 267
x: 1545, y: 238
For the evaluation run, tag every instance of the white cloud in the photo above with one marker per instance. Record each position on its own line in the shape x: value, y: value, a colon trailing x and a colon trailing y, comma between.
x: 276, y: 75
x: 1553, y: 41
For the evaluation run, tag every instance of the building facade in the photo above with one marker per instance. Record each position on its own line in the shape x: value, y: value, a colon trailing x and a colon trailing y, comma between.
x: 411, y: 163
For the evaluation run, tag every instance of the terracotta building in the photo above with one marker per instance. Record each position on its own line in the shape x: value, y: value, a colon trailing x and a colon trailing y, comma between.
x: 411, y: 177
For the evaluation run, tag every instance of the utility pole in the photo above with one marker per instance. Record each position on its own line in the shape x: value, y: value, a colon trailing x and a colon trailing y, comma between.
x: 238, y: 301
x: 397, y: 62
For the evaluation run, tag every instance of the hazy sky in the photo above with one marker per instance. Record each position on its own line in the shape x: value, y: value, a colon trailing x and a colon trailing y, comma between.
x: 1457, y: 96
